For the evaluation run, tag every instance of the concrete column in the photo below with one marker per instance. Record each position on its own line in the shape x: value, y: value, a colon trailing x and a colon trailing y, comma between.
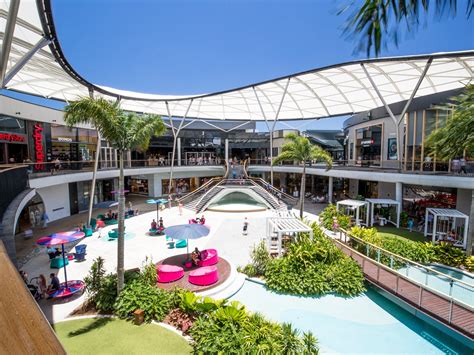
x: 154, y: 185
x: 226, y: 150
x: 283, y: 180
x: 399, y: 192
x: 330, y: 189
x: 312, y: 184
x: 178, y: 149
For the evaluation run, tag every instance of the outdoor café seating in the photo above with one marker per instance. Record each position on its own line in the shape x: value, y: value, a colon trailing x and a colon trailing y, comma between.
x: 169, y: 273
x: 208, y: 257
x: 204, y: 276
x: 178, y: 244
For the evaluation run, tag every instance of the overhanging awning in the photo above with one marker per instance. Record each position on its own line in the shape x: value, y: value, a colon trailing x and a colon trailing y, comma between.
x: 37, y: 66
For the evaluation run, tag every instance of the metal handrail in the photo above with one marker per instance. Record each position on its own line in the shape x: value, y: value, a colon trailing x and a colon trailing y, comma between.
x: 200, y: 188
x: 428, y: 288
x: 408, y: 261
x: 273, y: 188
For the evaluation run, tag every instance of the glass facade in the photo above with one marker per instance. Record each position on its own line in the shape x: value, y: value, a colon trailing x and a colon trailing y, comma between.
x: 369, y: 145
x: 419, y: 125
x: 72, y: 145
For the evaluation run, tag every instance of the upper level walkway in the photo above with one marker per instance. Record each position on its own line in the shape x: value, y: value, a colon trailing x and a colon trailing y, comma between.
x: 372, y: 174
x: 444, y: 298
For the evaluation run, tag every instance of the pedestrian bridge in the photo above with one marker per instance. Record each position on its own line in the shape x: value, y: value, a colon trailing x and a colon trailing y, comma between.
x: 451, y: 305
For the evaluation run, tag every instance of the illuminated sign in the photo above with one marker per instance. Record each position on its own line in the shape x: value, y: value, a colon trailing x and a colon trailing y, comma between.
x: 12, y: 138
x: 38, y: 146
x: 64, y: 139
x: 367, y: 142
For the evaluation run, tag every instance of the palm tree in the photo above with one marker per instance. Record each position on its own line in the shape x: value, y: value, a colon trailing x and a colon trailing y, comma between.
x: 124, y: 131
x: 374, y: 20
x: 300, y: 149
x: 456, y: 139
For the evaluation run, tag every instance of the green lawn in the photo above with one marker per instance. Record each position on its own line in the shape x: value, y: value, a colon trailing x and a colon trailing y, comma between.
x: 114, y: 336
x: 400, y: 233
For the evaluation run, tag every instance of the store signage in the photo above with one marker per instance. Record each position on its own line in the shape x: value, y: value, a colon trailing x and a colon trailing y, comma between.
x: 12, y: 138
x: 367, y: 142
x: 64, y: 139
x: 38, y: 146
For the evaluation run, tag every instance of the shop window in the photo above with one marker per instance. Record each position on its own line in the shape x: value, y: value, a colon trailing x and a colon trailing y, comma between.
x: 369, y: 145
x: 12, y: 124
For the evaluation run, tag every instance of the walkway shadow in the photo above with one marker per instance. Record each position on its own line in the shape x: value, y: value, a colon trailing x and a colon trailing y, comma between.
x: 98, y: 323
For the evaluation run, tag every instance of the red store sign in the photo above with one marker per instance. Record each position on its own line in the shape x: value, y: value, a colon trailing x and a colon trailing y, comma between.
x: 38, y: 146
x: 12, y: 138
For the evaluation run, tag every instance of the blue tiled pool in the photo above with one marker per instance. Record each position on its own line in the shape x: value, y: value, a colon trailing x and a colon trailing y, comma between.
x: 368, y: 324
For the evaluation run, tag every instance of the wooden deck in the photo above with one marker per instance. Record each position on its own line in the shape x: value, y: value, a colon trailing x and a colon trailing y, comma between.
x: 223, y: 269
x: 439, y: 306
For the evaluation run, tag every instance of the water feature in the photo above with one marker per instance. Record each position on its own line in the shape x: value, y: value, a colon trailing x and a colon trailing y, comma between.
x: 369, y: 323
x: 237, y: 202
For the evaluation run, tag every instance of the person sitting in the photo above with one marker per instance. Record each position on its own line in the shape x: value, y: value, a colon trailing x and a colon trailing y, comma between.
x: 196, y: 256
x: 153, y: 225
x: 24, y: 276
x: 55, y: 284
x: 451, y: 237
x: 161, y: 227
x: 202, y: 220
x: 53, y: 252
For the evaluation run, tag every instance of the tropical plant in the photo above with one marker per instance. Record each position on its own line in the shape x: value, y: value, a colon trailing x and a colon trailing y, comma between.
x: 299, y: 149
x: 148, y: 273
x: 124, y: 131
x: 456, y: 139
x: 101, y: 288
x: 326, y: 218
x: 374, y: 20
x: 445, y: 253
x: 314, y: 267
x: 469, y: 263
x: 156, y: 303
x: 260, y: 259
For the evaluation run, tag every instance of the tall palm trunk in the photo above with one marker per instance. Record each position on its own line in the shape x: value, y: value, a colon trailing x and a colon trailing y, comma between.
x: 303, y: 188
x: 121, y: 228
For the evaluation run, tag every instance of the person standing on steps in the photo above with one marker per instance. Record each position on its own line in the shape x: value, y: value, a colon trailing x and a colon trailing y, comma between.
x: 246, y: 226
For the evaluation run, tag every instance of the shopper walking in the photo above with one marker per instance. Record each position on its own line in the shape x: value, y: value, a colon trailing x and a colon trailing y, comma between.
x: 246, y: 226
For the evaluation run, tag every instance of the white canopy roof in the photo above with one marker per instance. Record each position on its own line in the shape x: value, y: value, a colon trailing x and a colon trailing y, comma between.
x: 382, y: 201
x: 446, y: 212
x: 289, y: 224
x: 323, y: 92
x: 354, y: 203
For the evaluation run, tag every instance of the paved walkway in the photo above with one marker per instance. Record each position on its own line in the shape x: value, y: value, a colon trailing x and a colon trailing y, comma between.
x: 226, y: 236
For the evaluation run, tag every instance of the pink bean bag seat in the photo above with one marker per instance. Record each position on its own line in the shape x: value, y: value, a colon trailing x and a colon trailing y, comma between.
x: 204, y: 276
x: 208, y: 257
x: 169, y: 273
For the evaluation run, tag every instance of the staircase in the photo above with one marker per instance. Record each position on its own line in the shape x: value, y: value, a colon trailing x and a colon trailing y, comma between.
x: 207, y: 197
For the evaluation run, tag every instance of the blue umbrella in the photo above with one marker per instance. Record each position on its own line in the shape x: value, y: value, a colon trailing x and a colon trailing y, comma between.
x: 158, y: 202
x: 187, y: 231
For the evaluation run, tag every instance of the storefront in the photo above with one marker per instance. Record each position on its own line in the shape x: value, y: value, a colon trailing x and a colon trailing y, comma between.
x: 369, y: 145
x: 137, y: 185
x: 13, y: 140
x: 79, y: 194
x: 72, y: 146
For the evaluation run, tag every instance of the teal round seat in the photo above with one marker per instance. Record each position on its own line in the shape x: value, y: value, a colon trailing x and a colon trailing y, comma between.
x: 181, y: 243
x: 113, y: 234
x: 58, y: 263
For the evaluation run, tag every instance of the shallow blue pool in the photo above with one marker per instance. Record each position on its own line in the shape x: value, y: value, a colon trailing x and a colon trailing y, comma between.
x: 368, y: 324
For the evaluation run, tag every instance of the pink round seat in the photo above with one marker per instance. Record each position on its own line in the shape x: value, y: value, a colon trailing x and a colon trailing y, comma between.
x: 169, y: 273
x: 204, y: 276
x: 208, y: 257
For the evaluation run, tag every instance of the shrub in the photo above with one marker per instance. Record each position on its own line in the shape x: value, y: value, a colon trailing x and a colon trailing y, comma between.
x: 230, y: 329
x: 155, y: 302
x: 148, y: 273
x: 445, y: 253
x: 469, y: 263
x: 101, y: 288
x: 327, y: 215
x: 260, y: 259
x: 314, y: 267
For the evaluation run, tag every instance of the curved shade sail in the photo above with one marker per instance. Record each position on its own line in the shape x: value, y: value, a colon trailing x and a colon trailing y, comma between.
x: 324, y: 92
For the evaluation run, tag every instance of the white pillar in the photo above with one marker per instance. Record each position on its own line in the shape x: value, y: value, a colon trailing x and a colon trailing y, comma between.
x: 154, y: 185
x: 178, y: 148
x: 372, y: 214
x: 357, y: 216
x: 426, y: 223
x: 226, y: 151
x: 399, y: 192
x: 330, y: 189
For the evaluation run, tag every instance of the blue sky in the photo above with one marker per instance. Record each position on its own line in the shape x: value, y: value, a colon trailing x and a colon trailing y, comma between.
x: 191, y: 47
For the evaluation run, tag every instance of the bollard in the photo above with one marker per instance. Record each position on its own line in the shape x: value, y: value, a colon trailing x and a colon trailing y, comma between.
x: 139, y: 316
